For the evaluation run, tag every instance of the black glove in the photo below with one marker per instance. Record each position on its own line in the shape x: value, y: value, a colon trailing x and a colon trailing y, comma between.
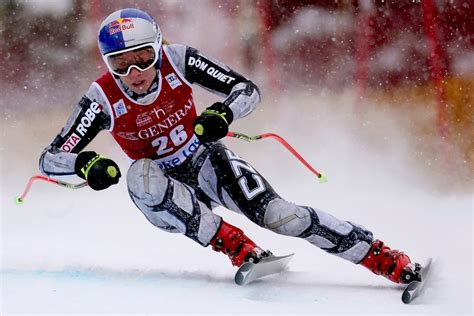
x: 99, y: 171
x: 213, y: 123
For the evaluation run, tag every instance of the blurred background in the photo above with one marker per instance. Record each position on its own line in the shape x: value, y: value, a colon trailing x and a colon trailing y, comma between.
x: 410, y: 61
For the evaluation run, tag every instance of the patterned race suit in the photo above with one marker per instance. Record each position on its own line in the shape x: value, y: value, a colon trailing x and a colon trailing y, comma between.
x: 174, y: 180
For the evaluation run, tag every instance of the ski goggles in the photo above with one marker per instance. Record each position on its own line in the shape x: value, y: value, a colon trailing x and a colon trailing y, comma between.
x: 141, y: 57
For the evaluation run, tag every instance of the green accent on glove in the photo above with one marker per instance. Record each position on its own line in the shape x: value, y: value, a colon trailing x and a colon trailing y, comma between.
x: 214, y: 112
x: 112, y: 171
x: 199, y: 129
x: 89, y: 164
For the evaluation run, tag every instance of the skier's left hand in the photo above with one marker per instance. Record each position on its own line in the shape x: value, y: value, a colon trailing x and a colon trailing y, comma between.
x: 213, y: 123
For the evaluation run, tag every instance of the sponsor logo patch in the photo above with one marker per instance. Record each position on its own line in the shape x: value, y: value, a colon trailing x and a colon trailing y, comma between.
x: 70, y: 143
x: 173, y: 81
x: 211, y: 71
x: 120, y: 25
x: 88, y: 117
x: 128, y: 135
x: 119, y: 108
x: 143, y: 119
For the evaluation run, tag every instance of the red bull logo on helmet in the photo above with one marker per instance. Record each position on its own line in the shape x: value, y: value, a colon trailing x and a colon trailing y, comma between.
x: 121, y: 24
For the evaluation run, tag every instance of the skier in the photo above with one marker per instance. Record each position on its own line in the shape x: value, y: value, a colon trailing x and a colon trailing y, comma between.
x: 180, y: 169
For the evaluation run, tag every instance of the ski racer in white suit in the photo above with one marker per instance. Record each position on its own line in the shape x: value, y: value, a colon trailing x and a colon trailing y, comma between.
x: 180, y: 169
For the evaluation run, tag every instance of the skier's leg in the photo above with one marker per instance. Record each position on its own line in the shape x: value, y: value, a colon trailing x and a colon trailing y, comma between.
x: 173, y: 206
x: 169, y: 204
x: 241, y: 188
x: 341, y: 238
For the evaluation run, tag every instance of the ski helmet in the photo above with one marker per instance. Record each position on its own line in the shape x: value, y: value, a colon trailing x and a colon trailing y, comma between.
x: 129, y: 29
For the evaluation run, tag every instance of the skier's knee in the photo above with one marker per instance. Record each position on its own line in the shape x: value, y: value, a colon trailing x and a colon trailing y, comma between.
x: 147, y: 182
x: 286, y: 218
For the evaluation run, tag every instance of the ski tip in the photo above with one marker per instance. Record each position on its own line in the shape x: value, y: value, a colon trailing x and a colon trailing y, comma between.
x: 240, y: 277
x: 414, y: 288
x: 250, y: 271
x: 406, y: 298
x: 410, y: 292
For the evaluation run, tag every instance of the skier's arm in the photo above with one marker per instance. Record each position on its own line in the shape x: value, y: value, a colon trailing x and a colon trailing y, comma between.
x: 89, y: 117
x: 241, y: 95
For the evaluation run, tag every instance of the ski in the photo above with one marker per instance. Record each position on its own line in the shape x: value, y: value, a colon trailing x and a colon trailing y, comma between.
x: 250, y: 271
x: 414, y: 288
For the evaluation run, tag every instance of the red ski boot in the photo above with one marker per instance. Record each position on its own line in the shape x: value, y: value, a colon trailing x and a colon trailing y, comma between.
x: 392, y: 264
x: 232, y: 241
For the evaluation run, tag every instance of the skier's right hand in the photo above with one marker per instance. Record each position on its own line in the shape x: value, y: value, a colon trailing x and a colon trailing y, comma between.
x: 100, y: 172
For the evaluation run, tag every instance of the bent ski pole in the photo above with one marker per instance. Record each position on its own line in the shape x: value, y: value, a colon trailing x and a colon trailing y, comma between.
x: 19, y: 200
x: 322, y: 178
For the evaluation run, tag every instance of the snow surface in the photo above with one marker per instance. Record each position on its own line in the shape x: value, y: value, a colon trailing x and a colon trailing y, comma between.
x: 87, y: 252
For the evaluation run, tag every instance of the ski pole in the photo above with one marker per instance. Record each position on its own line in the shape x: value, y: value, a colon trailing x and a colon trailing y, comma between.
x: 19, y: 200
x: 322, y: 178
